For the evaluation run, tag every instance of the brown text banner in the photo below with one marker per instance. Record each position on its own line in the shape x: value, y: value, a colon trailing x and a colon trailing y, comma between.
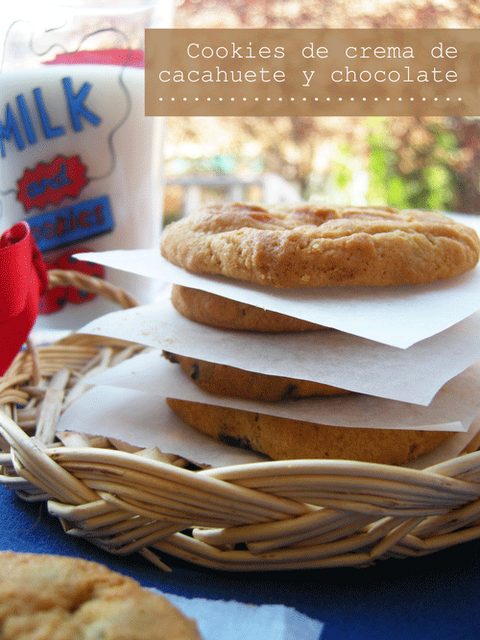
x: 312, y: 72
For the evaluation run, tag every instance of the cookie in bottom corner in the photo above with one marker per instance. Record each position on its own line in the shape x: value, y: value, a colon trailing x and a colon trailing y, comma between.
x: 50, y: 597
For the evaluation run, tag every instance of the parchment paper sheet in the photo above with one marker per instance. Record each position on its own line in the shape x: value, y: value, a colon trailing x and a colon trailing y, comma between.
x: 144, y: 420
x: 412, y: 375
x: 453, y: 408
x: 397, y: 316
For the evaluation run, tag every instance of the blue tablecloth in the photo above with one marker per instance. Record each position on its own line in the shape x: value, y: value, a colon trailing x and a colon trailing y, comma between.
x: 435, y: 596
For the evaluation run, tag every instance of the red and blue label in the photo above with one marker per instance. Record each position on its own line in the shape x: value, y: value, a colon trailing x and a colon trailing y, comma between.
x: 72, y: 224
x: 51, y: 183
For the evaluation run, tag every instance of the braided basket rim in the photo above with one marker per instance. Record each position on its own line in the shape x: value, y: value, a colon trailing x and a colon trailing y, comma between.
x: 274, y: 515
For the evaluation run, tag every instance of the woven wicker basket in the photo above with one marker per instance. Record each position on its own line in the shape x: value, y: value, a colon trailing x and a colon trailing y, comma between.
x: 260, y: 516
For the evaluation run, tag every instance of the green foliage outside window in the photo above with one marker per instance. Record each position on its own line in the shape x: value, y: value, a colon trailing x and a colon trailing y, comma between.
x: 414, y: 164
x: 426, y: 164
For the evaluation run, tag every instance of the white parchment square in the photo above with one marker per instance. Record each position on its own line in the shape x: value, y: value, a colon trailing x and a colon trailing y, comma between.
x: 396, y: 316
x: 453, y: 408
x: 339, y: 359
x: 144, y: 420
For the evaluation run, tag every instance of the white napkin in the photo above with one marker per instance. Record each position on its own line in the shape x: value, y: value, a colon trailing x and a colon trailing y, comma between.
x: 230, y: 620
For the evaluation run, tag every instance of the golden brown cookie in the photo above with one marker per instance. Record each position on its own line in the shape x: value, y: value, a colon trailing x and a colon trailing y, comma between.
x: 47, y: 597
x: 216, y: 311
x: 225, y: 380
x: 287, y: 439
x: 314, y: 246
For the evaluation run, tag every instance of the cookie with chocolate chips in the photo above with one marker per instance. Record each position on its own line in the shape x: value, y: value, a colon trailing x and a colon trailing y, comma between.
x: 288, y: 439
x: 225, y: 380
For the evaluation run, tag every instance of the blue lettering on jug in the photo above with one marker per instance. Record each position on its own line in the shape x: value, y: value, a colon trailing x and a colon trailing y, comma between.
x: 19, y: 127
x: 48, y: 130
x: 10, y: 128
x: 72, y: 224
x: 76, y: 108
x: 27, y: 122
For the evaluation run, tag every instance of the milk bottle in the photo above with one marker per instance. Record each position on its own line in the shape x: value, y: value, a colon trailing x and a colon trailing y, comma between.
x: 79, y: 160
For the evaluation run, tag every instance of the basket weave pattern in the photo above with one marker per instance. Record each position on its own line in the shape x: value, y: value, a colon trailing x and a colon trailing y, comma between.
x: 259, y: 516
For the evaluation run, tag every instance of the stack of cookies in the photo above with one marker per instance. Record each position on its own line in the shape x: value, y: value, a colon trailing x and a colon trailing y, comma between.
x: 302, y: 246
